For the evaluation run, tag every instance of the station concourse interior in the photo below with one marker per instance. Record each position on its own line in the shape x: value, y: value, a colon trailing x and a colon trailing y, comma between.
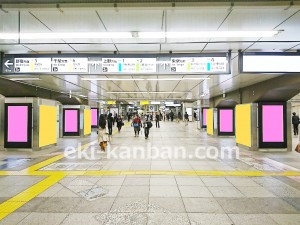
x: 215, y: 83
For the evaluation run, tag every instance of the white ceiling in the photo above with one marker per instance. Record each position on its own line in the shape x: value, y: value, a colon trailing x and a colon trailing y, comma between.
x: 153, y: 19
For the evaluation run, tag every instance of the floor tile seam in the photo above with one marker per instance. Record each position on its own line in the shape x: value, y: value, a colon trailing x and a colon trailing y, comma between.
x: 117, y: 195
x: 29, y: 198
x: 182, y: 200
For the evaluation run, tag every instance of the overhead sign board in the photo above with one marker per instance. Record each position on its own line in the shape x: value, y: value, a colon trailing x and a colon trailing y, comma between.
x: 129, y: 65
x: 94, y: 64
x: 70, y: 65
x: 32, y: 65
x: 199, y: 65
x: 277, y: 62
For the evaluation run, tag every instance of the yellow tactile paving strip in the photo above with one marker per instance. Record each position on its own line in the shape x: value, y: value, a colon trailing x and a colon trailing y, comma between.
x: 52, y: 177
x: 19, y: 200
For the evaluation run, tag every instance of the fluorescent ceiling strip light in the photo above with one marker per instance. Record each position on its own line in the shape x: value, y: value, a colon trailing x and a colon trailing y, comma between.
x: 129, y: 35
x: 146, y: 92
x: 221, y: 34
x: 25, y: 78
x: 177, y: 79
x: 111, y: 79
x: 77, y: 35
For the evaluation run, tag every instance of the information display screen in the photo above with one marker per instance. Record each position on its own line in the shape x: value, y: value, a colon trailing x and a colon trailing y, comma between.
x: 226, y: 121
x: 18, y: 125
x: 71, y: 122
x: 272, y: 121
x: 95, y: 115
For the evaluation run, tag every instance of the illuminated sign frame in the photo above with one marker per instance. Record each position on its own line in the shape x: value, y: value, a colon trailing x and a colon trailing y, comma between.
x: 95, y: 126
x: 78, y: 123
x: 27, y: 144
x: 202, y: 117
x: 263, y: 144
x: 223, y: 133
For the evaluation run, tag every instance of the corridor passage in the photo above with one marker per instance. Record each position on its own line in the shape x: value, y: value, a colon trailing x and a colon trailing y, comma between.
x: 141, y: 181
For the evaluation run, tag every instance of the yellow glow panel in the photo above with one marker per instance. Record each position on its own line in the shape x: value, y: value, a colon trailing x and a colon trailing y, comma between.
x: 144, y: 102
x: 47, y: 127
x: 210, y: 121
x: 87, y: 122
x: 243, y: 124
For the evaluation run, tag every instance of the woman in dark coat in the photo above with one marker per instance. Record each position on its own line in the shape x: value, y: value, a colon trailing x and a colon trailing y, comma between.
x: 119, y: 123
x: 110, y: 125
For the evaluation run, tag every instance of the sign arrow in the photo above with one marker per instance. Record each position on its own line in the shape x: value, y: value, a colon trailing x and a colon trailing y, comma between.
x: 8, y: 63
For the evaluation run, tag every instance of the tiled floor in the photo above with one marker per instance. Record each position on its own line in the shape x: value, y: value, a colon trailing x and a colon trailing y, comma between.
x: 160, y: 199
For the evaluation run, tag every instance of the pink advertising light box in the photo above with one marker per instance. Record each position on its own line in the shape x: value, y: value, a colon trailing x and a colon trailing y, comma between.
x: 226, y: 120
x: 17, y: 129
x: 71, y: 118
x: 273, y: 124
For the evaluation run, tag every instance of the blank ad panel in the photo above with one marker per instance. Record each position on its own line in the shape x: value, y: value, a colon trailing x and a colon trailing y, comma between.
x: 17, y: 124
x: 71, y: 118
x: 94, y: 117
x: 272, y: 123
x: 204, y: 117
x: 226, y: 120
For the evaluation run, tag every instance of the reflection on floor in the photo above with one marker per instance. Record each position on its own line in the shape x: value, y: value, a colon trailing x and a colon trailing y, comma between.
x: 148, y: 183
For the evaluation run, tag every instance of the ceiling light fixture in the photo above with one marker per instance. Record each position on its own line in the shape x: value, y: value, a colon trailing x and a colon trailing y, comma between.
x: 25, y: 78
x: 135, y: 35
x: 112, y: 79
x: 146, y: 92
x: 178, y: 79
x: 221, y: 34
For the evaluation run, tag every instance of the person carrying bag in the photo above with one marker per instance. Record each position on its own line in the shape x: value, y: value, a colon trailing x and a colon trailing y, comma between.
x: 102, y: 133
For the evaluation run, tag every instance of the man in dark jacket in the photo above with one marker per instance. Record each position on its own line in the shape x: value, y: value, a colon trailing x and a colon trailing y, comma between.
x: 157, y: 119
x: 172, y: 116
x: 295, y: 122
x: 186, y: 118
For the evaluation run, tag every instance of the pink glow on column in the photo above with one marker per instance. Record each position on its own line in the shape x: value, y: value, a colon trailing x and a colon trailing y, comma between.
x: 226, y: 120
x: 71, y: 118
x: 272, y: 122
x: 204, y: 117
x: 94, y: 117
x: 17, y: 124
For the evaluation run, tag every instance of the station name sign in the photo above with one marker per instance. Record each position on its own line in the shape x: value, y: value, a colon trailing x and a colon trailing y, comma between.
x: 117, y: 64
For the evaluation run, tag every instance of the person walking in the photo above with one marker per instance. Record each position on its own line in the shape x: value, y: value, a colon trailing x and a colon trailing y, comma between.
x: 295, y: 122
x: 120, y: 123
x: 128, y: 116
x: 186, y: 118
x: 179, y: 117
x: 157, y: 118
x: 136, y: 123
x: 172, y: 116
x: 147, y: 125
x: 110, y: 126
x: 102, y: 135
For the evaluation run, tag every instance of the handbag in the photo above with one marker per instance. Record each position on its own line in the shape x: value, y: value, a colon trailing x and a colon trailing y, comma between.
x: 297, y: 149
